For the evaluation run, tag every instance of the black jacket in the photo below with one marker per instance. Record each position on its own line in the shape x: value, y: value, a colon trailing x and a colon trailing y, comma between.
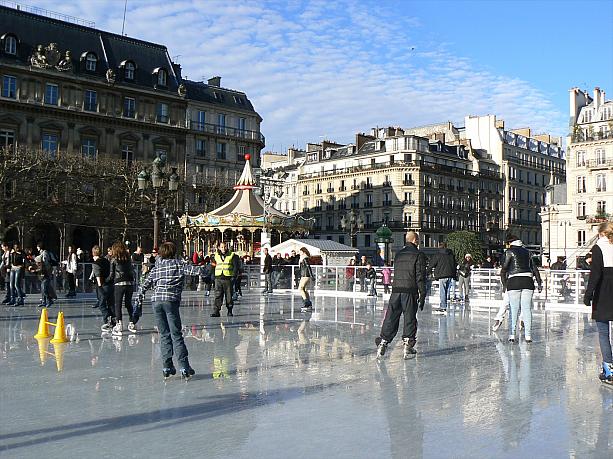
x: 599, y: 290
x: 305, y: 269
x: 465, y: 268
x: 410, y: 271
x: 444, y: 265
x: 101, y: 268
x: 121, y: 271
x: 518, y: 260
x: 267, y: 264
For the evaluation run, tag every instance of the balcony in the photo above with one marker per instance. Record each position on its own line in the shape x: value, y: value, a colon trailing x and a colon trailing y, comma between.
x: 387, y: 184
x: 318, y: 191
x: 330, y: 207
x: 355, y: 205
x: 342, y: 188
x: 408, y: 202
x: 387, y: 203
x: 366, y: 186
x: 368, y: 204
x: 317, y: 209
x: 305, y: 193
x: 355, y: 187
x: 408, y: 182
x: 599, y: 218
x: 330, y: 190
x: 330, y: 228
x: 218, y: 129
x: 600, y: 163
x: 581, y: 137
x: 342, y: 206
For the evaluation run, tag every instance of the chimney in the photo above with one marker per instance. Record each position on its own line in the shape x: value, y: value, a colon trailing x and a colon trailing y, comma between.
x: 215, y: 81
x: 291, y: 154
x: 177, y: 69
x: 361, y: 139
x: 597, y: 100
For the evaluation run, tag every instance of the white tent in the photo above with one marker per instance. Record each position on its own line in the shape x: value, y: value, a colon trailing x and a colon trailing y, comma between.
x: 332, y: 253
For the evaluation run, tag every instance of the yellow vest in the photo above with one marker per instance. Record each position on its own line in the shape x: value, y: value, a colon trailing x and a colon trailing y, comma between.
x: 224, y: 267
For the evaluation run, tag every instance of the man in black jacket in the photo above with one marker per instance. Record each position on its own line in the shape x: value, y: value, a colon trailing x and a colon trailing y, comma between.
x: 445, y: 270
x: 267, y: 269
x: 408, y: 293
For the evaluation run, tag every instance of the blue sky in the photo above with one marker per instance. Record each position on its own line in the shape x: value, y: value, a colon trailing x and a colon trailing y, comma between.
x: 316, y: 69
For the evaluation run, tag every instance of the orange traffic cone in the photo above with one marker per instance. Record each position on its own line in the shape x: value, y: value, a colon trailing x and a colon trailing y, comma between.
x: 43, y: 344
x: 60, y: 330
x: 43, y: 325
x: 58, y: 350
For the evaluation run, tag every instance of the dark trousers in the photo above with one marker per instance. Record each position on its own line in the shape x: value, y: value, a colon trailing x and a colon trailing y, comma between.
x: 123, y: 293
x: 45, y: 285
x: 400, y: 304
x: 7, y: 289
x: 223, y: 287
x: 72, y: 285
x: 268, y: 282
x: 106, y: 301
x: 362, y: 284
x: 168, y: 321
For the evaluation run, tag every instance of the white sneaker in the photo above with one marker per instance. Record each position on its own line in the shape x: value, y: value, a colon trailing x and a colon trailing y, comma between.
x: 118, y: 329
x: 132, y: 327
x: 107, y: 327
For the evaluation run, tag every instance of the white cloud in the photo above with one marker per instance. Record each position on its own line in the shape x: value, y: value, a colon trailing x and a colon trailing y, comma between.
x: 324, y: 68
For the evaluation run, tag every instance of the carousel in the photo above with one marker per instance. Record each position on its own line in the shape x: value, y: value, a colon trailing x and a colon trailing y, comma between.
x: 246, y: 222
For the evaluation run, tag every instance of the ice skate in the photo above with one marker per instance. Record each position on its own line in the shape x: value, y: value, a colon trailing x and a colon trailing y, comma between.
x: 381, y: 346
x: 118, y: 329
x: 132, y: 327
x: 496, y: 325
x: 606, y: 376
x: 187, y: 373
x: 168, y: 372
x: 408, y: 349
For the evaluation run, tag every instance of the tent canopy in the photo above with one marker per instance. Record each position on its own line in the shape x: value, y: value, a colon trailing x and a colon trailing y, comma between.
x: 331, y: 252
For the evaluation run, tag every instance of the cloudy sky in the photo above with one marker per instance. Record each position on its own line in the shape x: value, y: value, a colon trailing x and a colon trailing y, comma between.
x: 316, y: 69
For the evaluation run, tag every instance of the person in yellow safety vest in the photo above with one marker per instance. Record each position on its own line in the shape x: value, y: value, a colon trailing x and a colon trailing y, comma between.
x: 226, y: 269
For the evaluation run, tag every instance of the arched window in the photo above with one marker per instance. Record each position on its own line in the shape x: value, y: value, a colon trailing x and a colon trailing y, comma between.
x: 130, y: 68
x: 10, y: 44
x: 90, y: 62
x: 162, y: 77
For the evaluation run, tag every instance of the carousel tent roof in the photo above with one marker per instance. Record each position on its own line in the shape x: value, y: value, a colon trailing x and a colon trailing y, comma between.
x: 315, y: 246
x: 245, y: 201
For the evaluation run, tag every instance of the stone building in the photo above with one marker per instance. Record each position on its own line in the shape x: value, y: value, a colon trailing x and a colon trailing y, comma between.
x: 570, y: 225
x: 394, y: 178
x: 70, y: 87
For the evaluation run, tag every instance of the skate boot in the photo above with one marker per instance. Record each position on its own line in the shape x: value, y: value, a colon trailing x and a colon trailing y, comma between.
x: 308, y: 306
x: 607, y: 373
x: 132, y: 327
x: 409, y: 348
x: 496, y: 325
x: 168, y: 372
x: 381, y: 346
x: 187, y: 373
x: 118, y: 329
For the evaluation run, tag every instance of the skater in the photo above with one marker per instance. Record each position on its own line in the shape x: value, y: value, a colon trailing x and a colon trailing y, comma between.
x: 502, y: 311
x: 408, y: 293
x: 122, y: 277
x: 599, y: 294
x: 5, y: 267
x: 306, y: 277
x: 101, y: 271
x: 518, y: 274
x: 444, y: 267
x: 226, y: 268
x: 350, y: 275
x: 362, y: 273
x: 166, y: 279
x: 267, y: 270
x: 386, y: 273
x: 371, y: 276
x: 18, y: 263
x: 70, y: 266
x: 464, y: 271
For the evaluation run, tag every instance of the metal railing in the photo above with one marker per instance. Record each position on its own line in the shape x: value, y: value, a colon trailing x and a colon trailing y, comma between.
x: 227, y: 131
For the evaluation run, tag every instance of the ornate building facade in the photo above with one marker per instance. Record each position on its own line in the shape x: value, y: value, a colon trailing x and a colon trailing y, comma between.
x: 69, y: 87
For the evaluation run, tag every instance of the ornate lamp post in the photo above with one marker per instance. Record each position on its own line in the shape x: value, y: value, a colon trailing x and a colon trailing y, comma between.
x: 157, y: 178
x: 353, y: 223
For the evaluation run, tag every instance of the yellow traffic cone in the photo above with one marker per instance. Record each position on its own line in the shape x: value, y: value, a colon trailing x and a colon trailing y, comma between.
x: 58, y: 350
x: 43, y: 325
x: 60, y: 330
x: 43, y: 345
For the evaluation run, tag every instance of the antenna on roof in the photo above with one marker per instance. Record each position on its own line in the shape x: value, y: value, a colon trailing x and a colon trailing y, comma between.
x: 123, y: 25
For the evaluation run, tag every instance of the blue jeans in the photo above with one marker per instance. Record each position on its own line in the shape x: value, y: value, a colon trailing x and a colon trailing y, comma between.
x: 168, y: 320
x: 444, y: 286
x: 17, y: 294
x: 521, y: 299
x: 605, y: 341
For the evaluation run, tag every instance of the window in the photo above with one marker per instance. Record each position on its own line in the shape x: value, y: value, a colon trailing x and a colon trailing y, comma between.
x: 242, y: 123
x: 601, y: 182
x: 367, y: 240
x: 50, y: 143
x: 200, y: 120
x: 580, y: 238
x: 10, y: 45
x: 9, y: 86
x: 162, y: 113
x: 221, y: 150
x: 130, y: 68
x: 129, y: 107
x: 90, y: 62
x: 200, y: 148
x: 242, y: 150
x: 51, y: 94
x: 580, y: 184
x: 89, y: 148
x: 601, y: 207
x: 600, y: 157
x: 90, y: 102
x: 221, y: 123
x: 162, y: 77
x: 7, y: 138
x: 581, y: 209
x: 127, y: 153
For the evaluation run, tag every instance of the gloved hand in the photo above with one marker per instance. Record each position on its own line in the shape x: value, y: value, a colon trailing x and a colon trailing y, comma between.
x: 422, y: 303
x: 540, y: 288
x: 587, y: 301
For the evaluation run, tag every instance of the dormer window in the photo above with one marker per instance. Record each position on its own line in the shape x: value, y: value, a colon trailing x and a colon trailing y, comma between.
x: 162, y: 77
x: 129, y: 70
x: 10, y: 44
x: 90, y: 62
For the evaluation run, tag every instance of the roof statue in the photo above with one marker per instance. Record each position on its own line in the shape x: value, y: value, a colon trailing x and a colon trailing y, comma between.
x: 245, y: 210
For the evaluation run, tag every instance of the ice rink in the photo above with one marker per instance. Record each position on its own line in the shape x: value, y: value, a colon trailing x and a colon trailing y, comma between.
x: 273, y: 382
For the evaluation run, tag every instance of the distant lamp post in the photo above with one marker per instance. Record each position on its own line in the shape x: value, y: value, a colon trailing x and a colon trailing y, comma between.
x: 353, y: 223
x: 156, y: 178
x: 383, y: 240
x: 565, y: 224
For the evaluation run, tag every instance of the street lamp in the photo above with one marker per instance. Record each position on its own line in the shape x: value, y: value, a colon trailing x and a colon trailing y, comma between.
x: 565, y: 224
x: 156, y: 178
x: 354, y: 223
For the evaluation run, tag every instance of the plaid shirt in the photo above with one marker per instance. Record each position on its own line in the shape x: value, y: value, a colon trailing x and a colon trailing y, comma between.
x: 166, y: 279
